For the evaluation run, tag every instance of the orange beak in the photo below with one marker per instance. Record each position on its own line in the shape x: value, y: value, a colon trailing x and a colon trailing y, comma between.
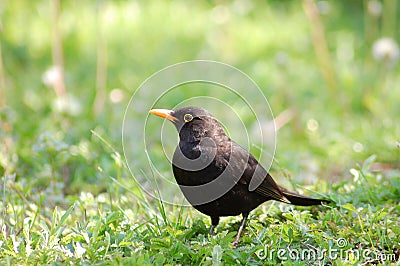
x: 164, y: 113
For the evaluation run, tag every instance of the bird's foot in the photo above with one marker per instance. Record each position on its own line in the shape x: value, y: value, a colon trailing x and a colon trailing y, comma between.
x: 212, y: 230
x: 235, y: 243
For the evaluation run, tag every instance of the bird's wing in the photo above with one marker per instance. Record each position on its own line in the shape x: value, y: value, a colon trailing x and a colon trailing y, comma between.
x: 253, y: 174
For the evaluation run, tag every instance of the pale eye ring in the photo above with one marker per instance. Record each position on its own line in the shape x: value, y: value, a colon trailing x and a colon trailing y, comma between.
x: 187, y: 117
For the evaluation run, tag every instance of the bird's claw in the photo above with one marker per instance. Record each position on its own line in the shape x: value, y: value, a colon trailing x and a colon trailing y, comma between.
x: 235, y: 243
x: 212, y: 230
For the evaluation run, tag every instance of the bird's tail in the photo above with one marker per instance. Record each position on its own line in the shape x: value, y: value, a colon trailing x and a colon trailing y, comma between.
x: 300, y: 200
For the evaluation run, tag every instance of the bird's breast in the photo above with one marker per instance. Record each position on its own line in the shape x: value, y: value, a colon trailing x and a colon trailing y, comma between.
x: 195, y: 164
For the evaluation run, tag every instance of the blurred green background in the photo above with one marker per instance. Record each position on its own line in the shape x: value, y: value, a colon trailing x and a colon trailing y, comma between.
x: 328, y: 68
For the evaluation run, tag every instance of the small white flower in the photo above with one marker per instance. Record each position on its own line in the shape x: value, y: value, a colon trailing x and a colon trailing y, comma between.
x: 116, y: 95
x: 52, y: 76
x: 67, y: 104
x: 16, y: 243
x: 66, y: 251
x: 101, y: 198
x: 79, y: 250
x: 323, y: 7
x: 358, y: 147
x: 387, y: 50
x: 375, y: 7
x: 86, y: 197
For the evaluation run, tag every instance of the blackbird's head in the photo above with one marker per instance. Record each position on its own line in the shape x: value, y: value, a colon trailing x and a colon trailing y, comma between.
x: 193, y: 123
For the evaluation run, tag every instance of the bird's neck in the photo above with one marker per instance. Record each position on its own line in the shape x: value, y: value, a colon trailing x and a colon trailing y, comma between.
x: 209, y: 145
x: 204, y: 136
x: 198, y: 130
x: 190, y: 150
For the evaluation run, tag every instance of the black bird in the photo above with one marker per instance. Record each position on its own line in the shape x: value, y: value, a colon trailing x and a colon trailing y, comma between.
x: 217, y: 176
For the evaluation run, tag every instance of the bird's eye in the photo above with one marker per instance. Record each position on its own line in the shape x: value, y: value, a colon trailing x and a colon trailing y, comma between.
x: 187, y: 117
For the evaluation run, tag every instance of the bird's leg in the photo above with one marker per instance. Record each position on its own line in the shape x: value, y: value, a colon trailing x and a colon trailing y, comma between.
x: 212, y: 229
x: 214, y: 223
x: 245, y: 215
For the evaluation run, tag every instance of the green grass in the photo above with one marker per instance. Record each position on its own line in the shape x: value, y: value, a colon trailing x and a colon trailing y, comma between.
x: 127, y: 228
x: 67, y: 197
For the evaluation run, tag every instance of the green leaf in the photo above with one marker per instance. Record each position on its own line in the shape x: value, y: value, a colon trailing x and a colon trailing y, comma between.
x: 217, y: 255
x: 368, y: 163
x: 350, y: 207
x: 290, y: 233
x: 62, y: 220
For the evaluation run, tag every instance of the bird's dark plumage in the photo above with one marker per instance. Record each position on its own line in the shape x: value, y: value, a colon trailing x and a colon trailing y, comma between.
x: 215, y: 173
